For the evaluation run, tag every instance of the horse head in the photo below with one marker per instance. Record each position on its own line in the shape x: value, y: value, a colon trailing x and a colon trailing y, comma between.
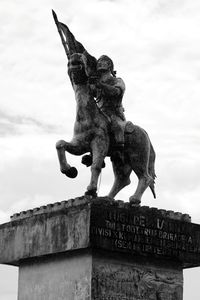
x: 76, y: 69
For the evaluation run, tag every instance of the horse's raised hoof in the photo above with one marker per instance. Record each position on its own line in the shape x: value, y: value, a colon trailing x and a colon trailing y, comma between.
x: 71, y: 173
x: 92, y: 193
x: 134, y: 202
x: 87, y: 160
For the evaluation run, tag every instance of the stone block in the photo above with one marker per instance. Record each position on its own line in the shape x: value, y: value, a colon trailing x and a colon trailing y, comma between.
x: 102, y: 223
x: 94, y: 275
x: 60, y: 277
x: 86, y: 249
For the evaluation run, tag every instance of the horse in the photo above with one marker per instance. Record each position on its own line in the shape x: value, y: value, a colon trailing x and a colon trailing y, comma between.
x: 92, y: 134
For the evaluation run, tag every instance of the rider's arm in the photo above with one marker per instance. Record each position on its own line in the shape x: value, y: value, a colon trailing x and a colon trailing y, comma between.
x: 113, y: 90
x: 93, y: 90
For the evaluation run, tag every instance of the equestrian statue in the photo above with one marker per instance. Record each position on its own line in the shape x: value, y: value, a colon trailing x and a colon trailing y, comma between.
x: 100, y: 127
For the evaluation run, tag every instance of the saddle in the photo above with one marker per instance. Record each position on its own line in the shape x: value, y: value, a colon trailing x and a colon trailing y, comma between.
x: 87, y: 159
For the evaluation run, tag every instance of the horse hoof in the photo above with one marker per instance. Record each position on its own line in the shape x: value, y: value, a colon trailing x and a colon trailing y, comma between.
x: 72, y: 172
x: 92, y: 193
x: 134, y: 202
x: 87, y: 160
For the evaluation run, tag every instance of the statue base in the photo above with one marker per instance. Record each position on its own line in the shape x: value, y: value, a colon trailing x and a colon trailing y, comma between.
x: 99, y: 275
x: 86, y: 249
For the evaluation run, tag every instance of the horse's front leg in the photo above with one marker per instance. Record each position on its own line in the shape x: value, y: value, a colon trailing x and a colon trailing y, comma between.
x: 73, y: 148
x: 99, y: 151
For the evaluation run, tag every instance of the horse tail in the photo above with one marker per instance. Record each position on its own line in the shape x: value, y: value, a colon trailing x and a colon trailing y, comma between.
x: 152, y: 188
x: 152, y: 169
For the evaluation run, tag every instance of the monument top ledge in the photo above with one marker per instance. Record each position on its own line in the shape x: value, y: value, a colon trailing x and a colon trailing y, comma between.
x: 101, y: 223
x: 83, y: 200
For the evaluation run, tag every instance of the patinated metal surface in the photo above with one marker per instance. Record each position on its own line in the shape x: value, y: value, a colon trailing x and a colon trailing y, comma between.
x: 100, y: 127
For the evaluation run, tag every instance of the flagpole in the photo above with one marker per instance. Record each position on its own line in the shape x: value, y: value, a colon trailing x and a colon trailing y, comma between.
x: 60, y: 33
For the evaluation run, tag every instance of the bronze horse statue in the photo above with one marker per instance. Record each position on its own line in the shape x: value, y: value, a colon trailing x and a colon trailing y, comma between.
x: 92, y: 132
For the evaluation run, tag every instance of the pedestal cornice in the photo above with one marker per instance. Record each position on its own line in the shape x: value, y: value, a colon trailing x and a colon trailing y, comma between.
x: 100, y: 223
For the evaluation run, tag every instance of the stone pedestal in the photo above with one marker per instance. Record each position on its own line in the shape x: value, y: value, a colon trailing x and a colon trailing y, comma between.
x: 85, y: 275
x: 86, y: 249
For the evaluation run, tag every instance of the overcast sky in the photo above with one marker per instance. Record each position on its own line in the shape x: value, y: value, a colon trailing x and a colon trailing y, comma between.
x: 155, y: 46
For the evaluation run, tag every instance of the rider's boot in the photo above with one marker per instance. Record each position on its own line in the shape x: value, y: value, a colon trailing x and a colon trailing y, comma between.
x: 118, y: 153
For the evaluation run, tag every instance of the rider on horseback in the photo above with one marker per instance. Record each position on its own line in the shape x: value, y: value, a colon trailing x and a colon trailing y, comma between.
x: 95, y: 80
x: 106, y: 88
x: 108, y: 91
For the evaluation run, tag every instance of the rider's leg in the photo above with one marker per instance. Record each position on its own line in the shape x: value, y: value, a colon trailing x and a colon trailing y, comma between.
x: 118, y: 148
x: 117, y: 128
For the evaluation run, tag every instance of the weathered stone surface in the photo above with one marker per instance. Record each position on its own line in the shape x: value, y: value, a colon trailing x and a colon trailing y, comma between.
x: 92, y: 275
x: 100, y: 249
x: 115, y: 279
x: 63, y: 277
x: 100, y: 223
x: 51, y: 208
x: 44, y: 234
x: 105, y: 201
x: 147, y: 232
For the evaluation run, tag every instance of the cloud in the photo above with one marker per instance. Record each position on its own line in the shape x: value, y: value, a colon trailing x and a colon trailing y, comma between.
x: 8, y: 287
x: 155, y: 48
x: 13, y: 124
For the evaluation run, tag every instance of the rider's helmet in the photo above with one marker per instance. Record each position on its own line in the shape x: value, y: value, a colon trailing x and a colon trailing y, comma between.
x: 105, y: 63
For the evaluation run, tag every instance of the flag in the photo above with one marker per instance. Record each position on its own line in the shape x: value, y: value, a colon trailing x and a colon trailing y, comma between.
x: 70, y: 44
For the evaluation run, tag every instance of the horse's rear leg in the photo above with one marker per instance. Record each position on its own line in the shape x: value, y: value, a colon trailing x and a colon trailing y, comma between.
x: 122, y: 177
x: 72, y: 148
x: 144, y: 181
